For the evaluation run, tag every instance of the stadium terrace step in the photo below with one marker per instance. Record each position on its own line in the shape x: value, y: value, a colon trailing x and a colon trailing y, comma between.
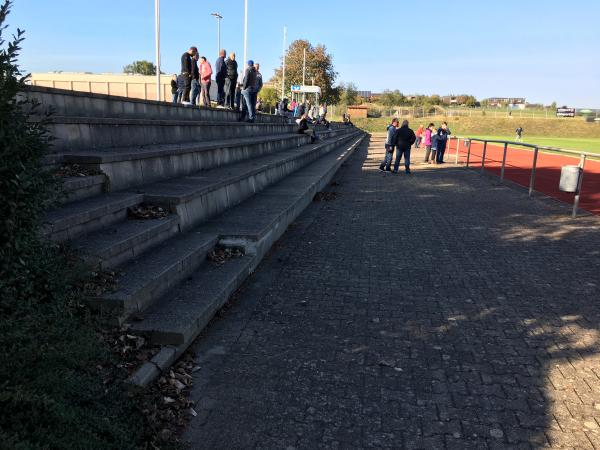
x: 134, y: 166
x: 79, y: 188
x: 144, y: 279
x: 179, y: 316
x: 85, y: 216
x: 125, y: 240
x: 76, y: 133
x: 83, y: 104
x: 197, y: 197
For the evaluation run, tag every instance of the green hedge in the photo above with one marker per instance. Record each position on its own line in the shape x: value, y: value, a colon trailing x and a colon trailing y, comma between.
x: 52, y: 393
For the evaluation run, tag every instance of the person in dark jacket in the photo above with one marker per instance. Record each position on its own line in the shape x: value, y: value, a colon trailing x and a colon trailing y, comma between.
x: 220, y: 77
x: 231, y: 67
x: 187, y: 64
x: 238, y: 97
x: 195, y: 91
x: 174, y: 89
x: 303, y: 128
x: 389, y: 146
x: 442, y: 133
x: 249, y: 92
x: 403, y: 140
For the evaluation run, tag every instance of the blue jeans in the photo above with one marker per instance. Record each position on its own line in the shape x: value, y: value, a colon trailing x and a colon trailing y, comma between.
x: 441, y: 149
x: 250, y: 98
x: 387, y: 161
x: 399, y: 153
x: 195, y: 91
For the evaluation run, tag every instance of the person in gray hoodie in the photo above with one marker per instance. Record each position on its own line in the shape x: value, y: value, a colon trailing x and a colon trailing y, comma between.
x: 389, y: 146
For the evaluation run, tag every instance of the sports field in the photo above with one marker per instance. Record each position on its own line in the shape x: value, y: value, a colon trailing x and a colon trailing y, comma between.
x: 583, y: 144
x: 519, y: 162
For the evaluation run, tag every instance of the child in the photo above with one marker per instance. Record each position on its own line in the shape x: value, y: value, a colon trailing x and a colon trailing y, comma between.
x: 434, y: 147
x: 427, y: 141
x: 389, y: 146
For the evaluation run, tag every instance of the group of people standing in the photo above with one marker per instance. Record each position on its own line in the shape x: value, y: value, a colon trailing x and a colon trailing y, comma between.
x: 400, y: 138
x: 192, y: 85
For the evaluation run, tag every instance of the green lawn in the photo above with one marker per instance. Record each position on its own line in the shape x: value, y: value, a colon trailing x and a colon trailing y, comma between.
x: 591, y: 145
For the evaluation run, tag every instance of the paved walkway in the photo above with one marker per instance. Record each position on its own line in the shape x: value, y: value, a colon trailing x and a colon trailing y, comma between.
x: 438, y: 310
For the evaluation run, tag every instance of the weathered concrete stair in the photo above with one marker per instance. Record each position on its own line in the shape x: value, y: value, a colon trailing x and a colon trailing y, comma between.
x: 122, y: 241
x: 145, y: 278
x: 198, y: 197
x: 178, y: 317
x: 85, y: 216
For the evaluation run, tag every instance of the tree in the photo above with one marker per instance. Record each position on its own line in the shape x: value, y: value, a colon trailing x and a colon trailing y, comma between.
x: 269, y: 98
x: 319, y: 69
x: 348, y: 94
x: 140, y: 67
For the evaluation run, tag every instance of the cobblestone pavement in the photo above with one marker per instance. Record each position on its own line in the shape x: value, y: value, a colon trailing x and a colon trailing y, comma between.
x: 438, y: 310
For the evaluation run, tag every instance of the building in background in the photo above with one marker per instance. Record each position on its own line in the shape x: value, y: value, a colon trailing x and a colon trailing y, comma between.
x: 503, y: 102
x: 118, y: 84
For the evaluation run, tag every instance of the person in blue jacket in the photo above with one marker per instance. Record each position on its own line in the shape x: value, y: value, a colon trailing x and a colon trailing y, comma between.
x: 389, y: 146
x: 442, y: 133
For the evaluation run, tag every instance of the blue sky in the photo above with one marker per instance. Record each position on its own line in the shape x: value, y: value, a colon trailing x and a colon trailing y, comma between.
x: 543, y: 50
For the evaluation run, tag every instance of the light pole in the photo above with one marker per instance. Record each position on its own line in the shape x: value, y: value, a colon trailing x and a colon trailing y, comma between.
x: 283, y: 75
x: 218, y: 17
x: 157, y: 45
x: 245, y: 32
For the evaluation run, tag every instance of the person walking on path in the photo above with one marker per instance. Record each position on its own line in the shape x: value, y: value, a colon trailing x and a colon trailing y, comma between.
x: 187, y: 71
x: 519, y: 132
x: 389, y: 146
x: 249, y: 91
x: 419, y: 135
x: 205, y: 74
x: 443, y: 132
x: 427, y: 142
x: 195, y: 93
x: 220, y: 77
x: 403, y: 140
x: 231, y: 70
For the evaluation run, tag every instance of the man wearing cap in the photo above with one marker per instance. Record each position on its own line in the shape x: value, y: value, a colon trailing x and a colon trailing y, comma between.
x: 249, y: 92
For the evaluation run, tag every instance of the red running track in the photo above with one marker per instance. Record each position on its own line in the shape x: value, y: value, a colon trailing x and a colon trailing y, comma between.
x: 518, y: 169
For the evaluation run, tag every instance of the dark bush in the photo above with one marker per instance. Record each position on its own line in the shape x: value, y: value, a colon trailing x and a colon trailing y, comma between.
x: 52, y: 393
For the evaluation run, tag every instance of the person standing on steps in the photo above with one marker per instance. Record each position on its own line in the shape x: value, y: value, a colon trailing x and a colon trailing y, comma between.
x: 386, y: 164
x: 443, y: 132
x: 249, y: 91
x: 175, y: 89
x: 205, y: 74
x: 220, y: 77
x: 187, y: 72
x: 404, y: 139
x: 427, y: 142
x: 419, y: 135
x: 230, y: 80
x: 195, y: 93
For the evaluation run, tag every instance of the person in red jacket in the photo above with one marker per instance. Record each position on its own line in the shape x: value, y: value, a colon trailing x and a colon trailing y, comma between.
x: 205, y: 74
x: 419, y: 135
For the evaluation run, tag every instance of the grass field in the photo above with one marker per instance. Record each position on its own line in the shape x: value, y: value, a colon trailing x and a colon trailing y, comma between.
x: 560, y: 133
x: 584, y: 144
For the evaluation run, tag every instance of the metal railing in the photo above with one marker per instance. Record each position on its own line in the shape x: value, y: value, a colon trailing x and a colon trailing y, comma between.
x: 536, y: 149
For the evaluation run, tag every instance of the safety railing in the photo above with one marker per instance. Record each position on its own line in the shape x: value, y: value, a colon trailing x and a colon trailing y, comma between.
x: 536, y: 149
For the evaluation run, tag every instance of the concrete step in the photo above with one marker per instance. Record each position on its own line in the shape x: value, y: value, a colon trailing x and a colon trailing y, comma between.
x: 198, y: 197
x: 79, y: 188
x: 83, y: 104
x: 77, y: 133
x: 180, y: 315
x: 147, y: 277
x: 85, y: 216
x: 124, y: 241
x: 133, y: 166
x: 186, y: 309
